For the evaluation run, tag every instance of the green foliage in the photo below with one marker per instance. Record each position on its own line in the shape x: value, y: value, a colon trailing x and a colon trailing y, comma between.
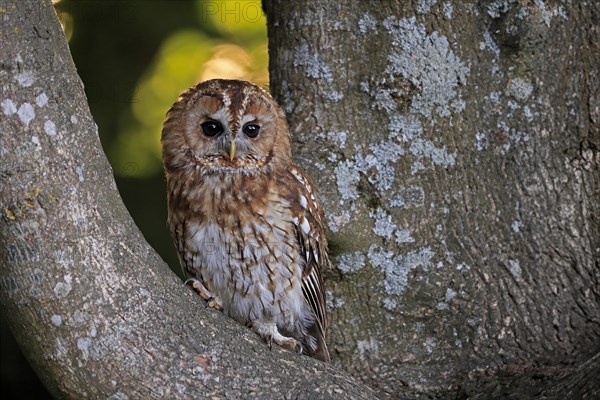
x: 230, y: 42
x: 176, y: 67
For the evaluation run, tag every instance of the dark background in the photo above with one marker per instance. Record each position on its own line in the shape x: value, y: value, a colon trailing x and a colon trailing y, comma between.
x: 134, y: 58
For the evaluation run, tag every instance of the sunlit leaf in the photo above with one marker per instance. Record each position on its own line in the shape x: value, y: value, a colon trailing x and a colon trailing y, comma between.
x: 239, y: 51
x: 243, y: 20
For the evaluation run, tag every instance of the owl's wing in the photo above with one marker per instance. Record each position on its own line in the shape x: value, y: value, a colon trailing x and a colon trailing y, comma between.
x: 311, y: 231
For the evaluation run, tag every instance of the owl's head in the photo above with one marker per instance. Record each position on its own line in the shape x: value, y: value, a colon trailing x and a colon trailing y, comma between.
x: 225, y: 126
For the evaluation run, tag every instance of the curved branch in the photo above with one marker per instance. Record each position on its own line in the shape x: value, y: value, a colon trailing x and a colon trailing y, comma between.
x: 95, y: 309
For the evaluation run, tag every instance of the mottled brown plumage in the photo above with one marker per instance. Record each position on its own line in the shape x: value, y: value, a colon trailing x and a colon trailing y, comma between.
x: 243, y: 216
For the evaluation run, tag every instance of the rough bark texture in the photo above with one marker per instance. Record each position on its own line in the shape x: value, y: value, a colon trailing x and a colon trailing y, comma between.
x: 456, y: 147
x: 96, y: 311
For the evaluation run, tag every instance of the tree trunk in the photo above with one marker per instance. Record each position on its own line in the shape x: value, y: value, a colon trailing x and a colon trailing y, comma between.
x: 96, y: 311
x: 456, y: 147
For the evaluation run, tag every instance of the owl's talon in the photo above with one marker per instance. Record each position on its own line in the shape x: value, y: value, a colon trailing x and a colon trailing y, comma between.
x: 190, y: 281
x: 270, y: 334
x: 299, y: 348
x: 197, y: 286
x: 215, y: 303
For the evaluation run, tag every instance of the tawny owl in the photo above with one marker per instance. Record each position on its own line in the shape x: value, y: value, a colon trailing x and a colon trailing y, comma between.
x: 243, y: 216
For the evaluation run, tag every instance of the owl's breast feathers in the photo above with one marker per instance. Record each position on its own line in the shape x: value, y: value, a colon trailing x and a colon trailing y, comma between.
x: 270, y: 220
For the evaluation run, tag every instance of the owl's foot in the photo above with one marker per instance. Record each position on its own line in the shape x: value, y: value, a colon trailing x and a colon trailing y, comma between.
x: 197, y: 286
x: 270, y: 334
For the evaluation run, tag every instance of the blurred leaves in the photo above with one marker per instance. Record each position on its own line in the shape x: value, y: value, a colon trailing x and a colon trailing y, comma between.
x: 230, y: 42
x: 243, y: 19
x: 176, y: 67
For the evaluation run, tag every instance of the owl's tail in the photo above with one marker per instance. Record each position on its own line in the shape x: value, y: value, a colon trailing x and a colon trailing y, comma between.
x: 317, y: 347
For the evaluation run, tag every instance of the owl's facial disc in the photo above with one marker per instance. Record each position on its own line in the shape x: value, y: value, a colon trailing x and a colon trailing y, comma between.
x: 229, y: 142
x: 233, y: 128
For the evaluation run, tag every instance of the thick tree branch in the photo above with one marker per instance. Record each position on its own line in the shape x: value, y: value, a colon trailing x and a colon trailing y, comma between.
x: 456, y: 146
x: 94, y: 308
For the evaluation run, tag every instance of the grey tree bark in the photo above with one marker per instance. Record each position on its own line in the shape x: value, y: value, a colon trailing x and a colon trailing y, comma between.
x: 96, y: 311
x: 456, y: 147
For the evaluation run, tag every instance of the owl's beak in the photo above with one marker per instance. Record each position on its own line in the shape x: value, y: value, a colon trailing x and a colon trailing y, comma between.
x: 232, y: 151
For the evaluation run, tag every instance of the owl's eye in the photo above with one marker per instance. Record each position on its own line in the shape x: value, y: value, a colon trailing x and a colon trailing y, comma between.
x: 211, y: 128
x: 251, y: 130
